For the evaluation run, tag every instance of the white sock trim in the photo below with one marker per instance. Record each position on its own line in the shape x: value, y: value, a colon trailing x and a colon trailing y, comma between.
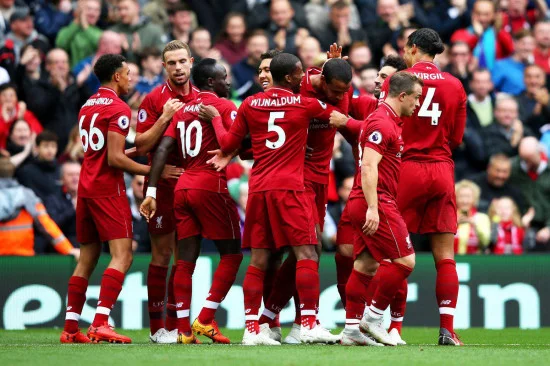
x: 447, y: 311
x: 251, y: 317
x: 103, y: 310
x: 308, y: 312
x: 182, y: 313
x: 352, y: 321
x: 396, y: 319
x: 375, y: 312
x: 211, y: 304
x: 352, y: 326
x: 271, y: 315
x: 72, y: 316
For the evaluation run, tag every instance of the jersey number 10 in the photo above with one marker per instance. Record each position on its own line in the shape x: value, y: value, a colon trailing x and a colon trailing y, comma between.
x: 185, y: 137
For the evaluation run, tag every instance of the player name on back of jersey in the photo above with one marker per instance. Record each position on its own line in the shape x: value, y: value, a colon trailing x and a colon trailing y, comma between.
x: 426, y: 76
x: 275, y: 102
x: 98, y: 101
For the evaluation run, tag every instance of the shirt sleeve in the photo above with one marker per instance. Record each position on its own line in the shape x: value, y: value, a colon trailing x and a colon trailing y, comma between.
x: 351, y: 131
x: 318, y: 110
x: 361, y: 107
x: 120, y: 121
x: 147, y: 114
x: 377, y: 136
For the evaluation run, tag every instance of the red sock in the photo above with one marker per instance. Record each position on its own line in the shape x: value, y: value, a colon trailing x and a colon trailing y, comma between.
x: 252, y: 288
x: 307, y: 285
x: 392, y: 276
x: 111, y: 285
x: 371, y: 289
x: 398, y: 306
x: 283, y: 289
x: 224, y: 277
x: 446, y: 292
x: 183, y: 287
x: 156, y: 291
x: 356, y: 289
x: 171, y: 316
x: 76, y: 297
x: 344, y: 266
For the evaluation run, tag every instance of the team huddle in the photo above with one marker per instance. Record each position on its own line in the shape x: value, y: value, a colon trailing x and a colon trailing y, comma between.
x: 404, y: 182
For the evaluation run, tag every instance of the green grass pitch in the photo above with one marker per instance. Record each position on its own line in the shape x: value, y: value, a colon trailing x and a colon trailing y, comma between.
x: 483, y: 347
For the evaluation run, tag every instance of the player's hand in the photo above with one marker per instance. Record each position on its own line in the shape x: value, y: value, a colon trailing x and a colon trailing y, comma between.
x: 220, y: 160
x: 309, y: 152
x: 75, y: 252
x: 170, y: 108
x: 335, y: 51
x: 543, y: 235
x: 528, y: 217
x: 207, y: 113
x: 337, y: 119
x: 171, y: 172
x: 371, y: 222
x: 148, y: 208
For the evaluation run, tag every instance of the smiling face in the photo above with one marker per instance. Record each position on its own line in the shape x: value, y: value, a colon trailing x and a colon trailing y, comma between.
x: 384, y: 73
x: 465, y: 199
x: 178, y: 65
x: 264, y: 74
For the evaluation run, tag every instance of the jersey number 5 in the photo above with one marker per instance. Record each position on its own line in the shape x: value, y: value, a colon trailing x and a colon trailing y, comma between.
x: 272, y: 127
x: 185, y: 137
x: 88, y: 138
x: 429, y: 109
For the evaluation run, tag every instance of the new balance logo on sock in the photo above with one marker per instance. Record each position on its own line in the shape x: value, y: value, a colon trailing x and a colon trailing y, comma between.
x: 69, y: 308
x: 179, y: 305
x: 445, y: 302
x: 247, y: 311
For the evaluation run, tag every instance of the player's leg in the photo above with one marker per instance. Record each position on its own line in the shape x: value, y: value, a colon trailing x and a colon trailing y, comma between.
x: 398, y: 305
x: 275, y: 263
x: 344, y: 266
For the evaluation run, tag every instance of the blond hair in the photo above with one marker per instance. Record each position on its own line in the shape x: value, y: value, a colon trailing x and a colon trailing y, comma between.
x: 173, y: 46
x: 465, y: 183
x: 516, y: 216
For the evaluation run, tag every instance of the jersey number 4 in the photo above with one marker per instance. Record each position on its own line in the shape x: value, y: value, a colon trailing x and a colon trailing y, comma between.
x: 429, y: 109
x: 93, y: 138
x: 185, y: 137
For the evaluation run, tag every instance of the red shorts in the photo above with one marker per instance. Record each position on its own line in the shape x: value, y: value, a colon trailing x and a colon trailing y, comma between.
x: 345, y: 233
x: 163, y: 222
x: 275, y: 219
x: 317, y: 194
x: 211, y: 215
x: 426, y: 197
x: 390, y: 241
x: 103, y: 219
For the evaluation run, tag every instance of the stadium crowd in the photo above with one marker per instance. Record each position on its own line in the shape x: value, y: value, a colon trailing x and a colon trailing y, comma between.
x: 499, y: 50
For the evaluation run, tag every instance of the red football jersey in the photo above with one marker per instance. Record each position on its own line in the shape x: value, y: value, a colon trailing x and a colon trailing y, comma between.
x: 438, y: 125
x: 195, y: 137
x: 102, y: 113
x: 321, y: 136
x: 151, y: 109
x: 277, y: 121
x: 382, y: 133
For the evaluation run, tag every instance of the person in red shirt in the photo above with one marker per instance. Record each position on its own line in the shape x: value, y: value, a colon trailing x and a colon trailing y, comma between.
x: 541, y: 33
x: 381, y: 233
x: 426, y: 195
x: 154, y: 116
x: 278, y: 211
x: 202, y: 204
x: 103, y: 211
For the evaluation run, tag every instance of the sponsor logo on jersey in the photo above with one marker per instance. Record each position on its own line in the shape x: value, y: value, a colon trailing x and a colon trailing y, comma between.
x: 123, y: 122
x: 375, y: 137
x: 142, y: 115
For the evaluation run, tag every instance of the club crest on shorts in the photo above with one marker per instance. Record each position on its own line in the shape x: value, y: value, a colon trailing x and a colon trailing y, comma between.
x: 159, y: 222
x: 123, y: 122
x: 375, y: 137
x: 142, y: 115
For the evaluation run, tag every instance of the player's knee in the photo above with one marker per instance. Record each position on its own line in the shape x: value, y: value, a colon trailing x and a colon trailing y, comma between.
x: 259, y: 262
x: 345, y: 250
x: 306, y: 252
x: 366, y: 267
x: 408, y: 261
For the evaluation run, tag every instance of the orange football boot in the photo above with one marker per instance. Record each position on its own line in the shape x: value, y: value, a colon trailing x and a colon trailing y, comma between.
x: 106, y: 333
x: 187, y: 339
x: 76, y: 337
x: 211, y: 331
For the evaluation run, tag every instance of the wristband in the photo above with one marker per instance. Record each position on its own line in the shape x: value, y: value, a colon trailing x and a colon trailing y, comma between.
x: 151, y: 192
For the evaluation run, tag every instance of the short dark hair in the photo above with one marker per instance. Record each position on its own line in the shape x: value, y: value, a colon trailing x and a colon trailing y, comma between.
x: 177, y: 7
x: 269, y: 54
x: 340, y: 4
x: 282, y: 64
x: 397, y: 62
x: 498, y: 157
x: 174, y: 46
x: 522, y: 34
x: 337, y: 68
x: 427, y: 40
x: 147, y: 52
x: 202, y: 71
x: 403, y: 82
x: 7, y: 86
x: 46, y: 136
x: 106, y: 66
x: 195, y: 31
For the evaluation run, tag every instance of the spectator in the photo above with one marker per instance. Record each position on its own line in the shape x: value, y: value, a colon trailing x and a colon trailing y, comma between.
x: 506, y: 131
x: 516, y: 17
x: 21, y: 213
x: 469, y: 157
x: 481, y: 102
x: 201, y: 45
x: 158, y: 11
x: 542, y: 50
x: 151, y: 68
x: 41, y: 173
x: 531, y: 174
x: 401, y: 42
x: 534, y: 101
x: 474, y: 228
x: 55, y: 99
x: 309, y: 51
x: 61, y: 204
x: 29, y: 68
x: 137, y: 32
x: 182, y: 22
x: 11, y: 110
x: 74, y: 151
x: 488, y: 42
x: 282, y: 31
x: 209, y: 12
x: 508, y: 72
x: 141, y: 242
x: 257, y: 12
x: 339, y: 30
x: 461, y: 64
x: 133, y: 98
x: 335, y: 209
x: 23, y: 32
x: 318, y: 14
x: 245, y: 72
x: 80, y: 38
x: 359, y: 55
x: 507, y: 234
x: 109, y: 42
x: 51, y: 16
x: 20, y: 142
x: 231, y: 42
x: 7, y: 7
x: 443, y: 16
x: 384, y: 32
x: 366, y: 77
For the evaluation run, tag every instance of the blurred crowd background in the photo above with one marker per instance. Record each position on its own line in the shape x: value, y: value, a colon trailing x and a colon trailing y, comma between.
x: 500, y: 50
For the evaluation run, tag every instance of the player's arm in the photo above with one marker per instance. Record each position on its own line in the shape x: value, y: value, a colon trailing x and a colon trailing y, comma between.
x: 146, y: 141
x: 369, y: 182
x: 455, y: 139
x: 116, y: 158
x: 350, y: 128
